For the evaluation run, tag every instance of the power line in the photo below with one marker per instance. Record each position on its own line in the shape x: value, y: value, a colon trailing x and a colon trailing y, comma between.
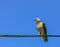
x: 22, y: 35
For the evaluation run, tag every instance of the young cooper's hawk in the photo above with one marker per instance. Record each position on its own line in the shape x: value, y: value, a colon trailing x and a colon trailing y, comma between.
x: 41, y: 29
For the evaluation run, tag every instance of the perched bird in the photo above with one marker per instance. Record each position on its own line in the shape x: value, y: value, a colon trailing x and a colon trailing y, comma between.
x: 41, y: 27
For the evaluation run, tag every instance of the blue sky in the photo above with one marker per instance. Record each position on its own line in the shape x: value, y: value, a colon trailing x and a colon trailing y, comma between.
x: 17, y: 17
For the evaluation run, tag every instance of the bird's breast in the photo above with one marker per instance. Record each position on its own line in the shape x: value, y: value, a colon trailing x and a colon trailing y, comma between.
x: 39, y: 25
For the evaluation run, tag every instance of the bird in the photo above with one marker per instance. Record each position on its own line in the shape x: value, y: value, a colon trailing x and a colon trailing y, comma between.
x: 41, y: 27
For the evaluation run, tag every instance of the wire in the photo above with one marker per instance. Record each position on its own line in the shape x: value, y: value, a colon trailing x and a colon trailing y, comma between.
x: 22, y: 35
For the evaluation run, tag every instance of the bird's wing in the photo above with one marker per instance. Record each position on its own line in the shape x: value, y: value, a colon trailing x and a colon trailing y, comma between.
x: 45, y: 33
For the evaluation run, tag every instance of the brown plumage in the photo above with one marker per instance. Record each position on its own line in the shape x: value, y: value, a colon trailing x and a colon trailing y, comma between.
x: 41, y: 29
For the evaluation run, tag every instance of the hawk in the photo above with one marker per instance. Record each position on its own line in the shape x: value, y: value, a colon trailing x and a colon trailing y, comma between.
x: 41, y: 29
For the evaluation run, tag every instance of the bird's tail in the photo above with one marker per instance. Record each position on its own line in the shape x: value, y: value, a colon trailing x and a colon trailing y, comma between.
x: 45, y: 38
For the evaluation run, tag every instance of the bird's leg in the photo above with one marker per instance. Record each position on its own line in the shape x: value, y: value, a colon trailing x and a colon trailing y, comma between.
x: 41, y: 34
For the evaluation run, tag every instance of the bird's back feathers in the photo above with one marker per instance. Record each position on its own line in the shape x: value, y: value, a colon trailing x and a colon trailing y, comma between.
x: 45, y: 33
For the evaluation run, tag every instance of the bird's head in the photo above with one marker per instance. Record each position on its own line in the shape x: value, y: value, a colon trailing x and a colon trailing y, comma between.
x: 37, y: 20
